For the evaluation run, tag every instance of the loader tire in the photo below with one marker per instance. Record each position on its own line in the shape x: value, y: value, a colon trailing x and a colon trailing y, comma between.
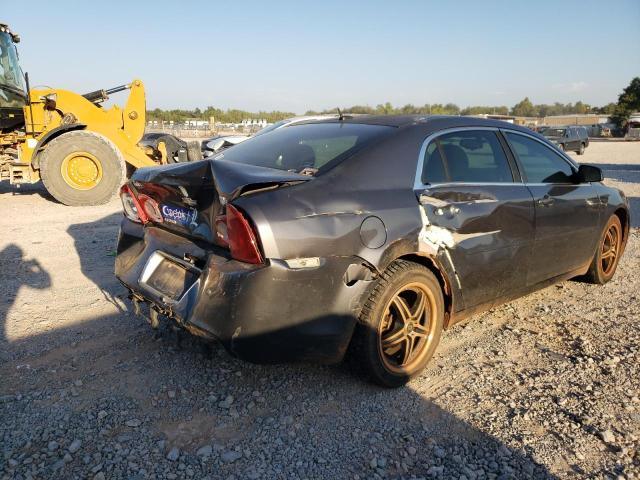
x: 194, y: 151
x: 82, y: 168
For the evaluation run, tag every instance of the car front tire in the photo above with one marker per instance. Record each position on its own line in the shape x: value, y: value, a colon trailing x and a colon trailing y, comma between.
x: 607, y: 256
x: 400, y: 324
x: 580, y: 151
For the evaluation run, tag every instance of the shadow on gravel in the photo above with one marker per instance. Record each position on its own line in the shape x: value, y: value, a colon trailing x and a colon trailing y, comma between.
x: 26, y: 189
x: 111, y: 383
x: 332, y: 419
x: 634, y: 205
x: 95, y: 243
x: 17, y: 272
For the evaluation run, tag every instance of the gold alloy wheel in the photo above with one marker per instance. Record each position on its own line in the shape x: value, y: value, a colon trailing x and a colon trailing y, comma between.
x: 81, y: 170
x: 408, y: 328
x: 610, y: 249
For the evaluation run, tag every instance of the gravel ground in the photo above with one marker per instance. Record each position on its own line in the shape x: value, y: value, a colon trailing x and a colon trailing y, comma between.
x: 547, y: 386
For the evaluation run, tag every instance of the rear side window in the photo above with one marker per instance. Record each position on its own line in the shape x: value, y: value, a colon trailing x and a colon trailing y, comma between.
x: 433, y: 170
x: 306, y: 146
x: 474, y: 156
x: 539, y: 162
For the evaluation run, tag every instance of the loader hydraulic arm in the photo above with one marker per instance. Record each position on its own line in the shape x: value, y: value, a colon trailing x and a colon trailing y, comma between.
x: 100, y: 96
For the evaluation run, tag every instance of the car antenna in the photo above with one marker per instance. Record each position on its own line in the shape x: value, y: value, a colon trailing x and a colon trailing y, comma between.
x: 340, y: 114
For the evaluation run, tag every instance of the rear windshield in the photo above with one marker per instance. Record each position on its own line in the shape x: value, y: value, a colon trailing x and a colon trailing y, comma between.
x: 305, y: 148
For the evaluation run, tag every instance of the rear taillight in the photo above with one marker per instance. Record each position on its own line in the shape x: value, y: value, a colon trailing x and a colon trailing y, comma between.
x: 150, y: 208
x: 131, y: 206
x: 139, y: 208
x: 234, y: 231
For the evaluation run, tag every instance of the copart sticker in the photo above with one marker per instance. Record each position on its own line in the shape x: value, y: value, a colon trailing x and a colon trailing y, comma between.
x: 179, y: 216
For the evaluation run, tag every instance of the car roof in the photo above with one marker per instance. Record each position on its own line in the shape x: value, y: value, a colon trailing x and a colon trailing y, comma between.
x: 306, y: 118
x: 429, y: 122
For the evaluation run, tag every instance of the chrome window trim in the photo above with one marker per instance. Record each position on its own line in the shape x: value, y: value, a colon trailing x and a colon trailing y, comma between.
x: 417, y: 182
x: 540, y: 184
x: 466, y: 184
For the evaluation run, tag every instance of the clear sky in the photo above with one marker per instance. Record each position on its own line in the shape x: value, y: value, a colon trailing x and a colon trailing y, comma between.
x: 300, y: 55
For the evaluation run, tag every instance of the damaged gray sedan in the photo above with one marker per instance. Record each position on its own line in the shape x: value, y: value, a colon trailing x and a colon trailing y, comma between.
x: 369, y: 235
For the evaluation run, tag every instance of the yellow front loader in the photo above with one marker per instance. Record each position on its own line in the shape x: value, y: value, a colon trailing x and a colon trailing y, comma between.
x: 80, y: 150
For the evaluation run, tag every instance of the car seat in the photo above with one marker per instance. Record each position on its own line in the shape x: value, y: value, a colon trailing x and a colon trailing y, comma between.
x: 457, y: 162
x: 434, y: 169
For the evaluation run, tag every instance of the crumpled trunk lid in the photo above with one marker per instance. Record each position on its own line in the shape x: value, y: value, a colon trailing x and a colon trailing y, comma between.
x: 191, y: 195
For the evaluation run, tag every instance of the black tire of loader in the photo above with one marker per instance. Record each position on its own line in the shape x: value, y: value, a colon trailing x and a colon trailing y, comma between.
x: 112, y: 163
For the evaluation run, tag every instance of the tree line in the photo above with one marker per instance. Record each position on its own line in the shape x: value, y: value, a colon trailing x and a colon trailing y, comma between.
x: 524, y: 108
x: 224, y: 116
x: 628, y: 102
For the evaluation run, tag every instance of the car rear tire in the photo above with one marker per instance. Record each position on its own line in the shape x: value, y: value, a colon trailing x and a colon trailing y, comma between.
x: 580, y: 151
x: 400, y: 324
x: 605, y: 260
x: 82, y: 168
x: 561, y: 146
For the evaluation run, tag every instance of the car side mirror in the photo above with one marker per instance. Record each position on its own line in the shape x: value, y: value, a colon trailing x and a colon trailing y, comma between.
x: 589, y: 173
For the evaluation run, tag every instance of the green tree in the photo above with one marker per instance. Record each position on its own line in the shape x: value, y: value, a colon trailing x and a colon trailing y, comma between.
x: 480, y: 110
x: 628, y: 103
x: 409, y: 109
x: 581, y: 108
x: 608, y: 109
x: 524, y: 109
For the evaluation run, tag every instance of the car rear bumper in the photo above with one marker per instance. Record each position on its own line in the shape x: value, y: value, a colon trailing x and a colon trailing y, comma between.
x: 261, y: 313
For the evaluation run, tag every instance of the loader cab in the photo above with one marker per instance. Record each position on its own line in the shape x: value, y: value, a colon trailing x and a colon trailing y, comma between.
x: 13, y: 95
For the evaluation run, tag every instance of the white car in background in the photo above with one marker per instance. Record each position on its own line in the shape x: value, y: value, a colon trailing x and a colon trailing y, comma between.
x: 222, y: 142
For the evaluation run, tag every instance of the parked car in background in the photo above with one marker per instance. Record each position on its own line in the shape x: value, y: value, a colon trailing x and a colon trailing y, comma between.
x: 369, y: 235
x: 213, y: 145
x: 633, y: 127
x: 572, y: 138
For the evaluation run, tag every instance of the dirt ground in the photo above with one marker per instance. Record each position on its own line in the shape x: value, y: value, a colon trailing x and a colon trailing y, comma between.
x: 547, y: 386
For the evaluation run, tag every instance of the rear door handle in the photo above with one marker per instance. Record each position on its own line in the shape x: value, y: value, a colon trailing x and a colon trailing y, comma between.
x: 546, y: 201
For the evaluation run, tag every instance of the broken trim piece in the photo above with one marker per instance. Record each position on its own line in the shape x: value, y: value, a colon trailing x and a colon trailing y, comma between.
x: 299, y: 263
